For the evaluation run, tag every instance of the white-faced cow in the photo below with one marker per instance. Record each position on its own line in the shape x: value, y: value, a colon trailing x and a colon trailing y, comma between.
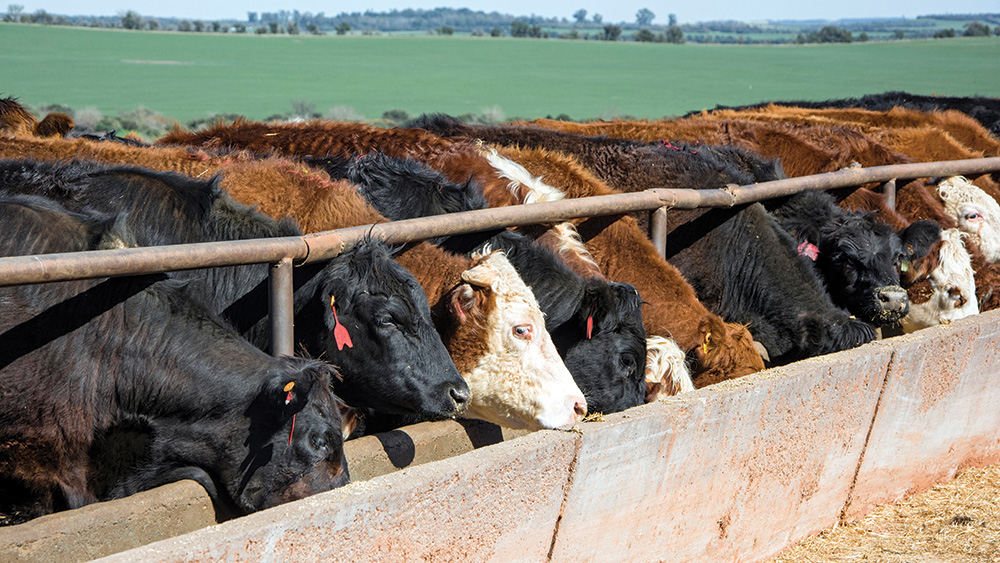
x: 501, y: 394
x: 948, y: 292
x: 975, y: 213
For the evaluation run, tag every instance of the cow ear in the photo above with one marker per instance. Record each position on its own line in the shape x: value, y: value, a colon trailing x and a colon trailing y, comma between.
x: 336, y: 295
x: 290, y: 392
x: 713, y: 335
x: 918, y: 238
x: 350, y: 418
x: 596, y: 302
x: 54, y: 125
x: 461, y: 301
x: 481, y: 275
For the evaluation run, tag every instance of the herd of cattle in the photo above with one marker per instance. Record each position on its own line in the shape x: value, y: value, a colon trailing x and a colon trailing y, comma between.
x: 113, y: 386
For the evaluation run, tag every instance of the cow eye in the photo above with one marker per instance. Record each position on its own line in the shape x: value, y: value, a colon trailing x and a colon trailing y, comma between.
x: 628, y: 364
x: 972, y: 216
x: 385, y: 320
x: 524, y: 332
x: 318, y: 441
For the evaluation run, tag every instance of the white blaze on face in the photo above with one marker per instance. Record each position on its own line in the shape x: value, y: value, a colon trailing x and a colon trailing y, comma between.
x: 975, y: 212
x: 666, y: 372
x: 521, y: 382
x: 953, y: 284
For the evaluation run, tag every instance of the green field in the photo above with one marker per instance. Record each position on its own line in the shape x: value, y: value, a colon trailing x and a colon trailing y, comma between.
x: 187, y: 76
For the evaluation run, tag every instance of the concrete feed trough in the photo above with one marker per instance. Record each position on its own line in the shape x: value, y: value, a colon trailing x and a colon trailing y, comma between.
x: 733, y: 472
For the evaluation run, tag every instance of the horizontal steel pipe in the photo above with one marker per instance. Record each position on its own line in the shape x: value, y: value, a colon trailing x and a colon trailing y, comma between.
x: 408, y: 230
x: 16, y: 270
x: 849, y: 177
x: 323, y: 246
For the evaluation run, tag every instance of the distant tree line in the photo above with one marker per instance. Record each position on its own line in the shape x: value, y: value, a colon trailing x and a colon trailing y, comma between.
x: 582, y: 26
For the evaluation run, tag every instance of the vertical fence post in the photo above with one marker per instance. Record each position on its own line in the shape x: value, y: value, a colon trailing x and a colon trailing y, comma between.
x: 281, y: 298
x: 889, y: 189
x: 658, y: 230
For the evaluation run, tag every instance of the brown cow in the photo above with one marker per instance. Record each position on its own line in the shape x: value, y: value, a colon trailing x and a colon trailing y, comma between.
x: 961, y: 127
x: 15, y: 121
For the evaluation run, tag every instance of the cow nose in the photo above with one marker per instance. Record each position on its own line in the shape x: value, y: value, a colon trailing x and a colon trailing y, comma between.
x: 580, y: 408
x: 461, y: 397
x: 893, y: 298
x: 955, y: 294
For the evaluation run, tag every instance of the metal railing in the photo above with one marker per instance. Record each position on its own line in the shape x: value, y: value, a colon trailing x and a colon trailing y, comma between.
x: 283, y: 252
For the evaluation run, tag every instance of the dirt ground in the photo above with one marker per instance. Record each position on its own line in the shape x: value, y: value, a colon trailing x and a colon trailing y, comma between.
x: 955, y: 522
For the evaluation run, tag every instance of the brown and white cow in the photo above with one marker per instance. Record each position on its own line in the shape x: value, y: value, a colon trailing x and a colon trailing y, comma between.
x: 975, y: 212
x: 948, y: 292
x: 518, y: 379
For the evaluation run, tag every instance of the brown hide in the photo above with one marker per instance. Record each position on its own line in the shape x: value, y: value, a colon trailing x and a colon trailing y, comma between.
x: 458, y: 160
x: 463, y: 315
x: 17, y: 121
x: 921, y: 136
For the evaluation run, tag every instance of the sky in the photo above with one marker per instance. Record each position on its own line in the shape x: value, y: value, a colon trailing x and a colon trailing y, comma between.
x: 612, y: 11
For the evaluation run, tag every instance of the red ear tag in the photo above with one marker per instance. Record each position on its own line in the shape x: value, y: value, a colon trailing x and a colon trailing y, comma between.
x: 340, y: 334
x: 590, y: 321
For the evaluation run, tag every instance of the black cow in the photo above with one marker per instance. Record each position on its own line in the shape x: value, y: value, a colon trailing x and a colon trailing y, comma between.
x: 378, y: 178
x: 595, y: 325
x: 112, y: 137
x: 395, y: 360
x: 858, y: 256
x: 745, y: 267
x: 114, y: 386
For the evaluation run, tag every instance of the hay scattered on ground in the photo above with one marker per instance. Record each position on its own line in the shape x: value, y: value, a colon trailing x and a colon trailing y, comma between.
x: 955, y: 522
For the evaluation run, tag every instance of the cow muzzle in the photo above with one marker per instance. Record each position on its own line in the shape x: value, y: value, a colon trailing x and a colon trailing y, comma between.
x: 893, y: 303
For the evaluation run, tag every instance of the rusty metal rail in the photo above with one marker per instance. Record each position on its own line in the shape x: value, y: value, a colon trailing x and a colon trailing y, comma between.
x: 282, y: 252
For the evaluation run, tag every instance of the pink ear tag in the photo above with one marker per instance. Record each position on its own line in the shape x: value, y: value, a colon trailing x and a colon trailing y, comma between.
x: 340, y: 334
x: 590, y: 321
x: 288, y: 399
x: 809, y: 250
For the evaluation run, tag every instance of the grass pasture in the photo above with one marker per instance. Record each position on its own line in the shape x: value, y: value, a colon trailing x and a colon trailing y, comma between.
x: 188, y: 76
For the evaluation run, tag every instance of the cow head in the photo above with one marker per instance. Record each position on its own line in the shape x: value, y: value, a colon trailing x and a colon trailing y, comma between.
x: 666, y: 371
x: 295, y: 447
x: 404, y: 188
x: 380, y: 336
x: 15, y: 120
x: 516, y: 376
x: 860, y: 259
x: 603, y: 346
x: 942, y: 286
x: 727, y: 351
x: 975, y: 212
